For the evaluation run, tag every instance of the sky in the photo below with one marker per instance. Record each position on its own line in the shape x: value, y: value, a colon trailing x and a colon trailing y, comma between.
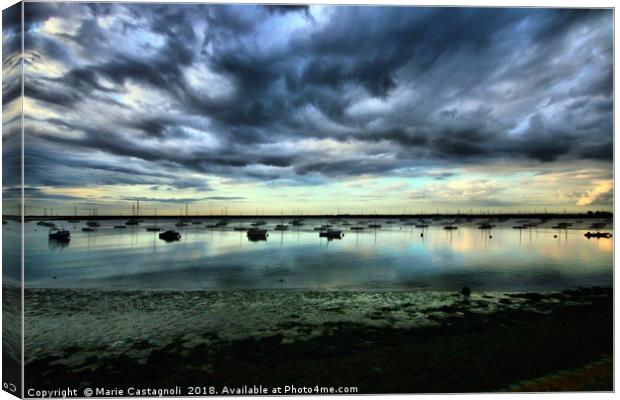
x: 252, y: 109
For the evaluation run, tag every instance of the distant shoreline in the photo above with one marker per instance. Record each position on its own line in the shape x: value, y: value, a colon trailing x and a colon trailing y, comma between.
x: 593, y: 215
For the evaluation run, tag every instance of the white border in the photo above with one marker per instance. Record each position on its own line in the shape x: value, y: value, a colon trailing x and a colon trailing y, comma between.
x: 480, y: 3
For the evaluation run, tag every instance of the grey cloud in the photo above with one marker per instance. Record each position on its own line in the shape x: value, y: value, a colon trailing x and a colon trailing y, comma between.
x: 457, y: 83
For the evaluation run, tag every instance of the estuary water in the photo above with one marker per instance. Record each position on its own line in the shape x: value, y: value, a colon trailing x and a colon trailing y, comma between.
x: 396, y: 256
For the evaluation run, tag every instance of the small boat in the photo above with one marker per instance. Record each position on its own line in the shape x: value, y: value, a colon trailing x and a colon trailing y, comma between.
x: 357, y: 228
x: 60, y: 235
x: 132, y: 222
x: 256, y: 234
x: 258, y: 223
x: 48, y: 224
x: 374, y: 226
x: 221, y: 223
x: 421, y: 226
x: 153, y: 229
x: 485, y: 225
x: 605, y: 235
x: 4, y: 222
x: 93, y: 224
x: 450, y: 227
x: 281, y: 227
x: 240, y: 229
x: 196, y: 222
x: 120, y: 226
x: 180, y: 224
x: 597, y: 225
x: 296, y: 222
x: 519, y: 227
x: 331, y: 234
x: 88, y: 229
x: 170, y: 236
x: 559, y: 226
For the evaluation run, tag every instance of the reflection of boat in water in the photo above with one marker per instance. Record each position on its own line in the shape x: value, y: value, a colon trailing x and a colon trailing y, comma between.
x: 93, y: 224
x: 331, y: 234
x: 170, y: 236
x: 88, y: 229
x: 59, y: 234
x: 560, y: 226
x: 256, y: 234
x: 605, y: 235
x: 57, y: 244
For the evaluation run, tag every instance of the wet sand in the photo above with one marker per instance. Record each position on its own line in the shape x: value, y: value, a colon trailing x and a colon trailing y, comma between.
x: 380, y: 342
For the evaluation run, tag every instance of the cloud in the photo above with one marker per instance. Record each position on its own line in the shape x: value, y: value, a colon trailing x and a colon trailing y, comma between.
x: 34, y: 193
x: 161, y: 94
x: 181, y: 200
x: 601, y: 194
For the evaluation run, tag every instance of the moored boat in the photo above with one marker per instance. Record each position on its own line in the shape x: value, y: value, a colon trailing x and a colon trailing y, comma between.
x: 331, y: 234
x: 60, y: 235
x: 605, y: 235
x: 170, y: 236
x: 255, y: 234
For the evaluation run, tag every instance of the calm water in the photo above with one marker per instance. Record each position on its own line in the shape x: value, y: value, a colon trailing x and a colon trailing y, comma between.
x: 393, y: 257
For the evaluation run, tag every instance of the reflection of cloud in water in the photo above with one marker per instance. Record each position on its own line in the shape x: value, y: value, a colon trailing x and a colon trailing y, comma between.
x: 388, y: 258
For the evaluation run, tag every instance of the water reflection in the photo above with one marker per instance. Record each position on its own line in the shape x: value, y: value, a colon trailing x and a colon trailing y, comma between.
x: 57, y: 244
x: 397, y: 256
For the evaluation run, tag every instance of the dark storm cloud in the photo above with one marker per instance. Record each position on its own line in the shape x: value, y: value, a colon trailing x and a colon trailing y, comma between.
x: 396, y: 87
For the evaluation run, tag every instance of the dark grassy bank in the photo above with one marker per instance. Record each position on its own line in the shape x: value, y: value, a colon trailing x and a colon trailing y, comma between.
x: 467, y: 352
